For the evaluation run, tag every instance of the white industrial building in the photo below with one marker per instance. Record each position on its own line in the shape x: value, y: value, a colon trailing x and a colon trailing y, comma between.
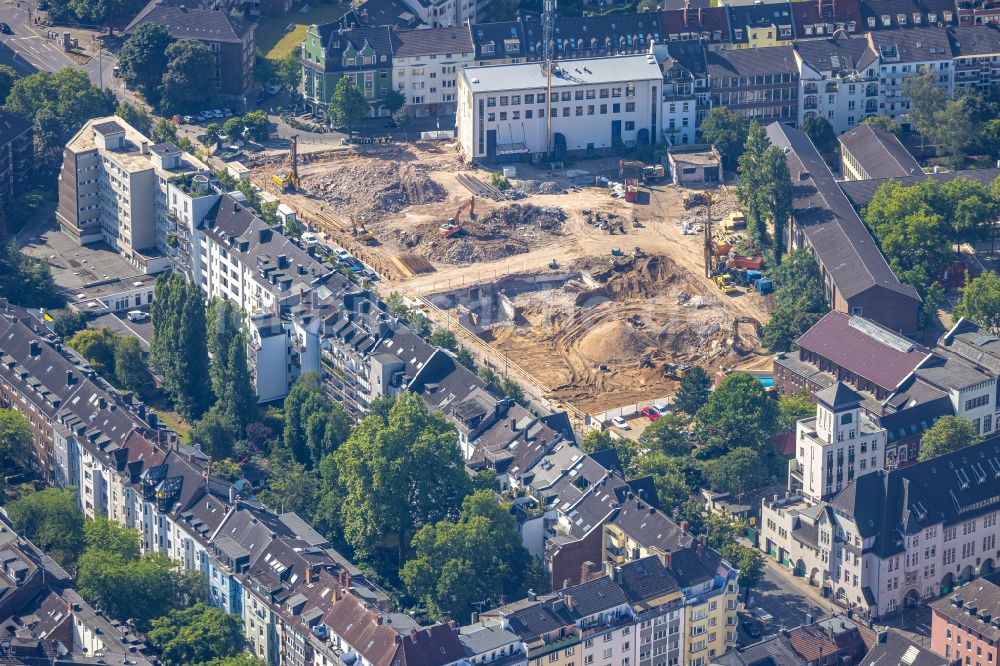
x: 596, y: 104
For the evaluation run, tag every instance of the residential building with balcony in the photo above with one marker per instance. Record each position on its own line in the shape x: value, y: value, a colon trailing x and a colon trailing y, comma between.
x: 965, y: 626
x: 760, y: 25
x: 231, y: 39
x: 977, y: 56
x: 113, y: 188
x: 426, y: 64
x: 710, y: 25
x: 903, y: 54
x: 759, y: 84
x: 362, y: 54
x: 17, y: 154
x: 823, y: 18
x: 686, y: 99
x: 837, y: 445
x: 836, y: 80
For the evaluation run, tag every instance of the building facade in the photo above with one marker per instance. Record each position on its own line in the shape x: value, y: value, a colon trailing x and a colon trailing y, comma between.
x: 426, y: 64
x: 17, y: 152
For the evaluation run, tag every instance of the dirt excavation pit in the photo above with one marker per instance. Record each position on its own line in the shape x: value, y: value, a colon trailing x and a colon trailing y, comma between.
x: 502, y: 232
x: 371, y: 189
x: 602, y: 335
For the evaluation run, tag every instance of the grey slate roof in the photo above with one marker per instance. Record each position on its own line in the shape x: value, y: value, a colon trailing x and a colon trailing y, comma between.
x: 835, y: 55
x: 879, y: 153
x: 432, y: 41
x: 751, y: 62
x: 192, y: 23
x: 898, y: 650
x: 915, y: 45
x: 839, y: 396
x: 594, y: 596
x: 974, y: 606
x: 843, y: 245
x: 975, y: 40
x: 11, y: 126
x: 887, y: 505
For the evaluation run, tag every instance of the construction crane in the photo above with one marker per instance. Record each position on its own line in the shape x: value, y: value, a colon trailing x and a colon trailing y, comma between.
x: 455, y: 225
x: 289, y: 180
x: 548, y: 42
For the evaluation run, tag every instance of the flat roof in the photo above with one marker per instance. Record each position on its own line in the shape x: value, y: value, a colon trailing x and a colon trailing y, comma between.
x: 568, y: 73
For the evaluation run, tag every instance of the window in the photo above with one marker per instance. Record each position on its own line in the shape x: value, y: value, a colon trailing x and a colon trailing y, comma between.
x: 629, y: 125
x: 629, y: 107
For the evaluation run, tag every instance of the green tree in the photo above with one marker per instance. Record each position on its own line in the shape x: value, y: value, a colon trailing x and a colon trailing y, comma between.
x: 673, y: 488
x: 314, y: 425
x: 216, y: 434
x: 290, y: 486
x: 969, y: 209
x: 479, y: 559
x: 753, y: 183
x: 7, y: 78
x: 692, y: 393
x: 398, y: 474
x: 242, y: 659
x: 289, y: 71
x: 58, y: 103
x: 394, y: 101
x: 981, y: 301
x: 213, y: 134
x: 465, y: 357
x: 597, y: 440
x: 136, y: 116
x: 777, y: 195
x: 23, y: 280
x: 51, y: 520
x: 949, y: 433
x: 989, y: 137
x: 820, y: 131
x: 103, y: 534
x: 442, y: 337
x: 15, y: 441
x: 738, y: 414
x: 196, y: 635
x: 258, y: 127
x: 799, y: 299
x: 228, y: 370
x: 130, y: 365
x: 179, y: 348
x: 945, y: 122
x: 67, y: 322
x: 233, y: 128
x: 750, y: 563
x: 719, y: 530
x: 98, y: 347
x: 348, y: 104
x: 164, y: 130
x: 883, y: 122
x: 727, y: 130
x: 187, y: 81
x: 667, y: 434
x: 793, y: 408
x: 738, y: 471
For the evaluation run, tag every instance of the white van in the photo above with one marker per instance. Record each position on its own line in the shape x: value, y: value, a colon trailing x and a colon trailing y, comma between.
x: 309, y: 239
x: 138, y: 316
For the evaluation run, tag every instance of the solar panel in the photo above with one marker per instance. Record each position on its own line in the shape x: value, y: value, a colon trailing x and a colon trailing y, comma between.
x: 910, y: 655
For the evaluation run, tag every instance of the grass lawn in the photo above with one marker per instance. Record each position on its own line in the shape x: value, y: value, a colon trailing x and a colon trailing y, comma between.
x: 275, y: 43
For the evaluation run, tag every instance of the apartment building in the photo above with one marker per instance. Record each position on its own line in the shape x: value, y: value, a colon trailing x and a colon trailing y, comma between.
x: 17, y: 152
x: 893, y: 537
x: 868, y: 152
x: 503, y: 113
x: 426, y: 64
x: 903, y: 54
x: 837, y: 81
x: 686, y: 99
x: 965, y: 626
x: 837, y: 445
x: 231, y: 39
x: 760, y: 84
x: 756, y: 26
x: 977, y: 50
x: 113, y: 188
x: 836, y: 640
x: 363, y: 54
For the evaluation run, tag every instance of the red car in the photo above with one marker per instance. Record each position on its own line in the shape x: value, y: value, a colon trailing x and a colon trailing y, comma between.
x: 651, y: 413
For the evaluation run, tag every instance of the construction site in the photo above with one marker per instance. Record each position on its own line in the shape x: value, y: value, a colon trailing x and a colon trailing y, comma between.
x: 588, y: 288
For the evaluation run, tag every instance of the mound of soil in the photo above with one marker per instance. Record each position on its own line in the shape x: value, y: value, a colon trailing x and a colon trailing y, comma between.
x: 613, y: 340
x: 374, y: 189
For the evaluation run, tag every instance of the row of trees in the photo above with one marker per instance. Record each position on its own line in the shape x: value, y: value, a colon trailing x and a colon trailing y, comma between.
x: 173, y: 75
x: 765, y: 189
x: 799, y: 299
x: 253, y: 126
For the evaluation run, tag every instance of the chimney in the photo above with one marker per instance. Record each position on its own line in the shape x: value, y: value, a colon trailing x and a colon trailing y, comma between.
x: 347, y: 581
x: 452, y: 624
x: 413, y: 635
x: 475, y: 618
x: 618, y: 575
x: 569, y: 601
x: 378, y: 619
x: 666, y: 558
x: 145, y: 147
x: 309, y: 570
x: 532, y: 596
x: 70, y: 379
x: 684, y: 526
x: 513, y: 425
x: 34, y: 349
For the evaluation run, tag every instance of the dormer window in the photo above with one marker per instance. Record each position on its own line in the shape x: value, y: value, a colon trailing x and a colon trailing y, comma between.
x: 932, y: 18
x: 886, y: 20
x: 901, y: 19
x: 871, y: 21
x: 916, y: 18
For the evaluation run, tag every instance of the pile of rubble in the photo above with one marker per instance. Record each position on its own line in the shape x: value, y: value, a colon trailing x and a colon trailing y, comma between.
x: 371, y: 190
x: 500, y: 233
x: 527, y: 188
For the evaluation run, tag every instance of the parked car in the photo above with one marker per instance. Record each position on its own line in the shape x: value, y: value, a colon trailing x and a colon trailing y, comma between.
x: 651, y: 413
x: 763, y: 617
x: 5, y: 29
x: 343, y: 254
x: 309, y: 239
x: 116, y: 72
x: 227, y: 113
x: 138, y: 316
x: 662, y: 408
x: 753, y: 631
x: 216, y: 113
x: 202, y: 116
x: 188, y: 119
x: 621, y: 423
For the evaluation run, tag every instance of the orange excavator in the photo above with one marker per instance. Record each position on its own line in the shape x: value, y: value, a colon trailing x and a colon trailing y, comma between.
x: 455, y: 225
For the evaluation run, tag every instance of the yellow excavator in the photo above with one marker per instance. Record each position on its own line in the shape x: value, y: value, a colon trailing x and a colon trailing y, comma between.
x: 361, y: 232
x: 289, y: 180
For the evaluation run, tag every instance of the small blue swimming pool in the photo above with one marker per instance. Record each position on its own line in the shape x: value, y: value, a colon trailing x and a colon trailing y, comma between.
x: 766, y: 380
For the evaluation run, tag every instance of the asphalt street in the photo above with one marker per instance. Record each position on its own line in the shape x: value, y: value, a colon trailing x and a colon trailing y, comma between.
x: 29, y: 49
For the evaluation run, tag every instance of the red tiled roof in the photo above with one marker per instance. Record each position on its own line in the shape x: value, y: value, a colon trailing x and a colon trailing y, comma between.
x: 833, y: 338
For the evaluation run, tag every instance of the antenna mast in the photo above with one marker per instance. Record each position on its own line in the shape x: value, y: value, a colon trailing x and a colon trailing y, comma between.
x: 548, y: 42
